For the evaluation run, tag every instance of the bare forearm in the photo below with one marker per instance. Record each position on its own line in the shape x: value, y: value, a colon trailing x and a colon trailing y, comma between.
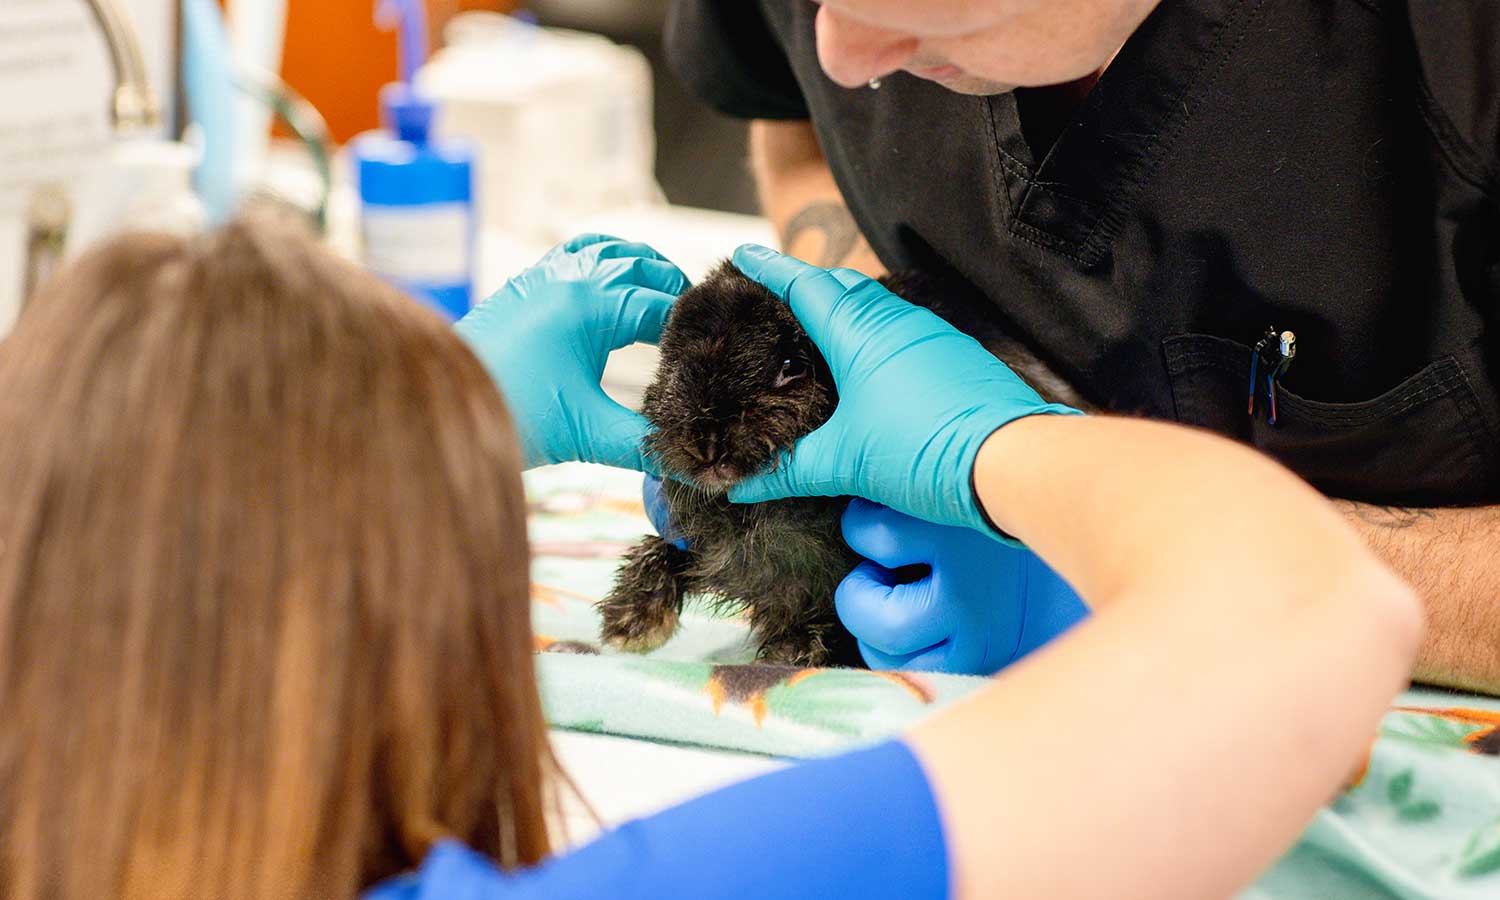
x: 1135, y: 519
x: 1204, y: 620
x: 799, y: 196
x: 1452, y: 558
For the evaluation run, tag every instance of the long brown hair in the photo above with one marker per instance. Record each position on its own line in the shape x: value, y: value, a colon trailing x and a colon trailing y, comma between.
x: 264, y: 624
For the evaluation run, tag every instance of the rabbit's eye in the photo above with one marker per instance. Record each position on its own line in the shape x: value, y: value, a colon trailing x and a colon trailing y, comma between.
x: 793, y: 369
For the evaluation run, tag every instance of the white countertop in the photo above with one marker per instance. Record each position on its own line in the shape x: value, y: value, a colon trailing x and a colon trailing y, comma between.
x: 626, y: 779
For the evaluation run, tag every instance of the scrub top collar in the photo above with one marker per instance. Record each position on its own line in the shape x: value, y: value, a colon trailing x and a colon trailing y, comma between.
x: 1075, y: 199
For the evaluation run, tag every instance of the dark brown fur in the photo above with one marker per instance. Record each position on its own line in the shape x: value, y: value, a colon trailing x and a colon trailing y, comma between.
x: 739, y: 381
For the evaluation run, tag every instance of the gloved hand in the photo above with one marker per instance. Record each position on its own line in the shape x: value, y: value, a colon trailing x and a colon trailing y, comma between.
x: 661, y: 517
x: 917, y: 398
x: 983, y: 605
x: 546, y: 335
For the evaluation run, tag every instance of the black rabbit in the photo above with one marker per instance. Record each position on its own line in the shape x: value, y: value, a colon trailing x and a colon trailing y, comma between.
x: 738, y: 382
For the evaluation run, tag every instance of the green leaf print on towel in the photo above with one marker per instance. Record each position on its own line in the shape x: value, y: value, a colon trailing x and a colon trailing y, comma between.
x: 1409, y: 808
x: 1481, y: 855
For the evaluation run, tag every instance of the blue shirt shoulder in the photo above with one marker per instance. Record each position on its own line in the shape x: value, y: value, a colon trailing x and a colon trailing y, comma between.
x: 863, y: 824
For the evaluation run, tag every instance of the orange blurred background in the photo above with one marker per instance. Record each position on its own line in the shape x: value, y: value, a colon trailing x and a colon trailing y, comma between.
x: 336, y: 58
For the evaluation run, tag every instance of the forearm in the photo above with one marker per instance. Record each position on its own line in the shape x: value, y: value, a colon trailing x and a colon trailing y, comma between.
x: 1224, y: 686
x: 799, y: 196
x: 1450, y: 557
x: 1120, y: 505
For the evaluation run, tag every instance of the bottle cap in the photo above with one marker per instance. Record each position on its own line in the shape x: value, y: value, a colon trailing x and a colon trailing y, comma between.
x: 406, y: 113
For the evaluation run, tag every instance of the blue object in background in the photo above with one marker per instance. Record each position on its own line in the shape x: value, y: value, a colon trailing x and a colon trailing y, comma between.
x: 416, y: 194
x: 208, y: 83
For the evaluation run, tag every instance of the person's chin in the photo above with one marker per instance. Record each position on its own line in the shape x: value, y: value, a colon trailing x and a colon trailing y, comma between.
x: 977, y: 87
x: 961, y: 82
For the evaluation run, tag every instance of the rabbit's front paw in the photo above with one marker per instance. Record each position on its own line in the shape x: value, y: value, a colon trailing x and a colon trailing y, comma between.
x: 640, y: 613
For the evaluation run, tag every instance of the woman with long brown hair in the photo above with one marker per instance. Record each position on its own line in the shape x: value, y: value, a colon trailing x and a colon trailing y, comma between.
x: 263, y: 587
x: 264, y: 628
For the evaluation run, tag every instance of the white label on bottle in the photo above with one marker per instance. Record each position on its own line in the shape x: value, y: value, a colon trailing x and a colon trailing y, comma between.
x: 418, y: 243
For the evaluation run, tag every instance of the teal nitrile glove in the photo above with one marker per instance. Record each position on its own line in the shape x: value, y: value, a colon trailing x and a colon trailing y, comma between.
x: 982, y: 605
x: 917, y: 398
x: 546, y: 335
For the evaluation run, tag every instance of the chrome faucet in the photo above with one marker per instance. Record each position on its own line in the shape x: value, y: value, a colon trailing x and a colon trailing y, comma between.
x: 132, y: 105
x: 132, y: 109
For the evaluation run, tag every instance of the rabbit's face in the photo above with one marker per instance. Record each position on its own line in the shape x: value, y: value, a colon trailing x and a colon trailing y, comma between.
x: 738, y: 382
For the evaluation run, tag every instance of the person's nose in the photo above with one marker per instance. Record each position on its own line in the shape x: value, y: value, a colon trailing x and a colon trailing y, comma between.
x: 853, y: 52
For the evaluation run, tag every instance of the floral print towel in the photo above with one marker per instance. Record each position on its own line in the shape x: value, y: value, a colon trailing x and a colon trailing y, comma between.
x: 1420, y: 820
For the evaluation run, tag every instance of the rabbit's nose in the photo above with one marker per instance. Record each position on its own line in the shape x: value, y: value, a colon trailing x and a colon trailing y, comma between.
x: 706, y: 451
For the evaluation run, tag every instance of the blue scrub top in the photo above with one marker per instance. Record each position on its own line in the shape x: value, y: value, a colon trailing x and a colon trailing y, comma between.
x: 859, y: 825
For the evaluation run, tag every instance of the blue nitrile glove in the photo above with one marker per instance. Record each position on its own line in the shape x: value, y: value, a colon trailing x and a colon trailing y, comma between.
x: 917, y: 397
x: 656, y: 510
x: 984, y: 604
x: 546, y: 335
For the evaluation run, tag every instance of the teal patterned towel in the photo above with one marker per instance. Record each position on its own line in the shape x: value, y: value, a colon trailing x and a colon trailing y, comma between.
x: 1422, y: 820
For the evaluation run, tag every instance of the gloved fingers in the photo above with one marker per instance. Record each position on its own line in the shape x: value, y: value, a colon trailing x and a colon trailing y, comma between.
x: 654, y: 502
x: 654, y: 499
x: 661, y: 275
x: 618, y: 248
x: 895, y: 619
x: 645, y: 272
x: 1052, y: 606
x: 932, y: 659
x: 806, y: 471
x: 640, y: 316
x: 849, y: 278
x: 533, y: 450
x: 883, y: 662
x: 612, y: 435
x: 578, y: 242
x: 776, y: 484
x: 532, y: 427
x: 876, y: 296
x: 880, y: 309
x: 888, y: 537
x: 812, y: 293
x: 474, y: 324
x: 980, y: 651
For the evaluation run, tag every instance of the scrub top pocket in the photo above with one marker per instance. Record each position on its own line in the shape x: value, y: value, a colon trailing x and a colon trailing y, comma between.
x: 1423, y: 442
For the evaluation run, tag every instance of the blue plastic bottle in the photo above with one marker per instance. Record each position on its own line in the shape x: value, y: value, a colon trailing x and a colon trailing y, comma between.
x: 416, y: 195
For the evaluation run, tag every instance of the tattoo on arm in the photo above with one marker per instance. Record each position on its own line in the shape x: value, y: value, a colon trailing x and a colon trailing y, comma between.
x: 840, y: 234
x: 1395, y: 518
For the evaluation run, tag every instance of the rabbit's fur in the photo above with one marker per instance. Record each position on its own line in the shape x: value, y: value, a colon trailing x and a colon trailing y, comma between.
x: 739, y: 381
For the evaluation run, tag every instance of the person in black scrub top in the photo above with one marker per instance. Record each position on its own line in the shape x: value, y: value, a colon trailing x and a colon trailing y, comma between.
x: 1151, y: 195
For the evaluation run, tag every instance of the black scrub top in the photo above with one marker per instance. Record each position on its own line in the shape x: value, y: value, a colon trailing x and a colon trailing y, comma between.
x: 1327, y: 167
